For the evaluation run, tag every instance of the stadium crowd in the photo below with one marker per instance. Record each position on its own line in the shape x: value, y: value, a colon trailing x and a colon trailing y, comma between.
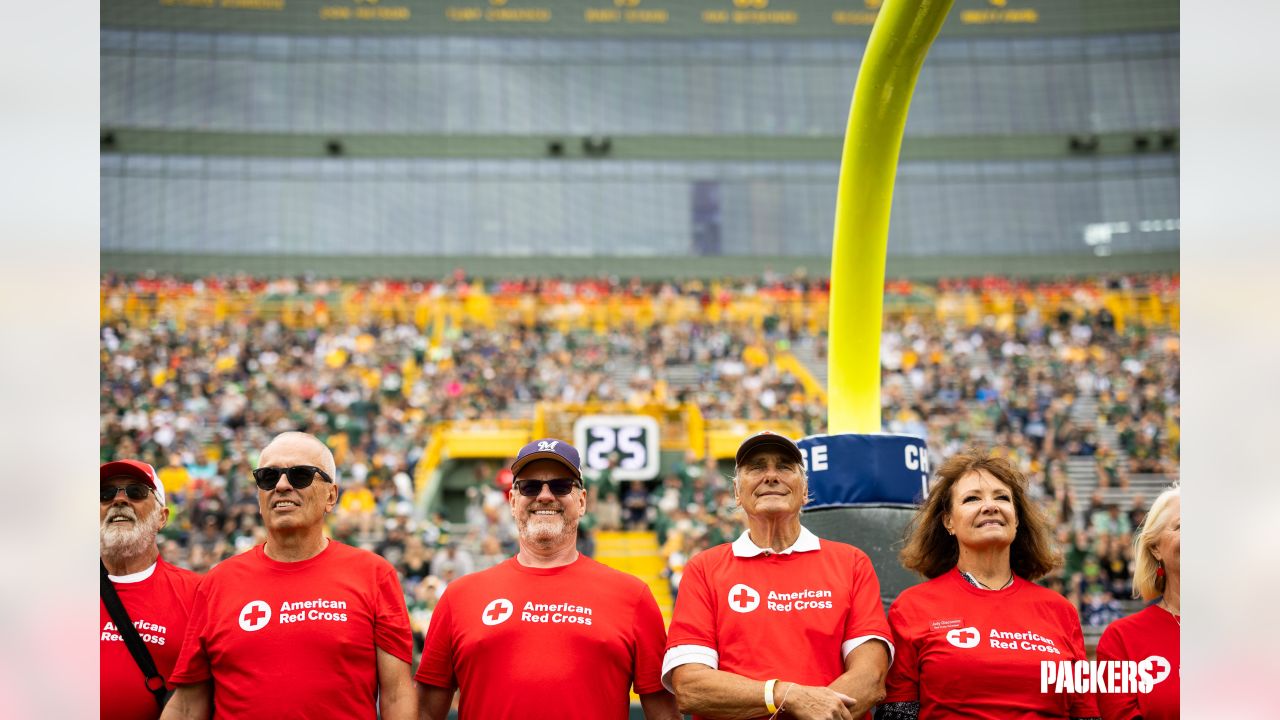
x: 196, y: 374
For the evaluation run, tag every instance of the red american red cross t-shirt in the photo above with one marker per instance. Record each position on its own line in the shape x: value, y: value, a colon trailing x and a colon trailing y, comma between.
x: 964, y: 652
x: 545, y: 643
x: 779, y: 615
x: 295, y: 639
x: 1152, y: 636
x: 158, y: 605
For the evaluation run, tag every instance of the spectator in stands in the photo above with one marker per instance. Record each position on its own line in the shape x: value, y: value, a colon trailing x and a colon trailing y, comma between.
x: 1153, y: 632
x: 981, y: 542
x: 636, y: 506
x: 726, y: 662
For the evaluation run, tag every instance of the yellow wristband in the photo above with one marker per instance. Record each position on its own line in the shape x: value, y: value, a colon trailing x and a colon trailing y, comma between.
x: 768, y: 695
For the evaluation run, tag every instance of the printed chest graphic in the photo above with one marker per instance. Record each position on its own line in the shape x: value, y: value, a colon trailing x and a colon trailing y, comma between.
x: 991, y: 637
x: 256, y: 615
x: 743, y: 598
x: 499, y: 610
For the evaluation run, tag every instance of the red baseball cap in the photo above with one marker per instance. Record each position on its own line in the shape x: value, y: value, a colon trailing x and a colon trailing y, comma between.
x: 135, y: 469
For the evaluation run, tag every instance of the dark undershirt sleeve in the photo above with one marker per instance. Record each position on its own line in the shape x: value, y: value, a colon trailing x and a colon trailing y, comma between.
x: 909, y: 710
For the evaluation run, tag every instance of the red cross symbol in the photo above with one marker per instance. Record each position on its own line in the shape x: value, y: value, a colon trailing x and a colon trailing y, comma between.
x: 498, y: 609
x: 253, y: 614
x: 1159, y: 665
x: 497, y: 612
x: 743, y: 598
x: 964, y: 637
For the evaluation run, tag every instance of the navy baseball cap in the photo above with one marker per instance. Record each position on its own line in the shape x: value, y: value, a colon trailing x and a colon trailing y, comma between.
x: 549, y: 449
x: 771, y: 439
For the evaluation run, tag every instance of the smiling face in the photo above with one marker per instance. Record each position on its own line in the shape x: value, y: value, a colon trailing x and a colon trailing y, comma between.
x: 982, y: 513
x: 769, y: 482
x: 547, y: 521
x: 127, y: 528
x: 285, y: 508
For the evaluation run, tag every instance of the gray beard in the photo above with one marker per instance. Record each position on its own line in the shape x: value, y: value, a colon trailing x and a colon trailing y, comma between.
x: 541, y: 532
x: 120, y: 544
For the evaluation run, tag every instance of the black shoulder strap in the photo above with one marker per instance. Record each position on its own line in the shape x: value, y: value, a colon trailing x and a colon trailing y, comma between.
x: 137, y: 648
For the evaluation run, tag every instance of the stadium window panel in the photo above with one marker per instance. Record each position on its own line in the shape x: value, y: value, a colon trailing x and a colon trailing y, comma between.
x: 192, y: 90
x: 704, y: 100
x: 269, y: 106
x: 271, y: 47
x: 366, y: 97
x: 113, y: 40
x: 111, y: 212
x: 457, y: 77
x: 227, y: 88
x: 922, y: 120
x: 994, y: 106
x: 154, y: 43
x: 399, y: 81
x: 182, y: 214
x: 1030, y: 99
x: 113, y: 91
x: 333, y: 80
x: 306, y: 48
x: 763, y: 99
x: 1070, y: 98
x: 673, y: 86
x: 732, y: 82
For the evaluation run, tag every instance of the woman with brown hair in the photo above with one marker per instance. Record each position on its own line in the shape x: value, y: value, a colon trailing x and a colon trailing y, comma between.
x: 971, y: 640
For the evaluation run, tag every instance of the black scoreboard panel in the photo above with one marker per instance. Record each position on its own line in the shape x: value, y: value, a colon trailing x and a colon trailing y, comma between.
x: 630, y: 442
x: 629, y: 18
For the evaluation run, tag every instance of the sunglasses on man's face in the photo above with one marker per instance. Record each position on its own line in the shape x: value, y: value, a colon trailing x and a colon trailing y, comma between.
x: 533, y: 488
x: 133, y: 492
x: 300, y: 476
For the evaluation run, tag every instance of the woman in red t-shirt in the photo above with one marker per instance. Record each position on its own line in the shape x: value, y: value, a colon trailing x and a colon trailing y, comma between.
x: 976, y: 640
x: 1150, y: 637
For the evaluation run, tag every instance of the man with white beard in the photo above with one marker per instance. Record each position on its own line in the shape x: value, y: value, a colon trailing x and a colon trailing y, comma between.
x: 156, y: 596
x: 549, y: 633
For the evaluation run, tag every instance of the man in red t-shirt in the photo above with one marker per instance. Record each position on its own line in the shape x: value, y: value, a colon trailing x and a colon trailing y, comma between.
x: 156, y: 595
x: 779, y: 618
x: 301, y: 626
x: 549, y: 633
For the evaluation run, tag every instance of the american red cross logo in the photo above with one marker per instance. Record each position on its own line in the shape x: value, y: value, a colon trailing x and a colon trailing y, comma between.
x: 743, y: 598
x: 964, y: 637
x: 497, y: 611
x: 254, y: 615
x: 1153, y: 670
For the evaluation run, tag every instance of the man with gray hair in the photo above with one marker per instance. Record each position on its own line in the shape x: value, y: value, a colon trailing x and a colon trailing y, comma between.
x: 155, y: 595
x: 301, y: 626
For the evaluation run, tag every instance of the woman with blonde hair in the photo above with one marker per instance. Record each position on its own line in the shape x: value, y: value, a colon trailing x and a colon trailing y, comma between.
x: 971, y: 640
x: 1150, y: 636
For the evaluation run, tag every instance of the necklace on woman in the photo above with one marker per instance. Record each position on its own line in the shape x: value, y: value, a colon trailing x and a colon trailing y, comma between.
x: 975, y: 581
x: 1176, y: 616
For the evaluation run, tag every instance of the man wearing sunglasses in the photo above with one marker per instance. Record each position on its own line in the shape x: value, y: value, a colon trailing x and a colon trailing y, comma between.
x: 156, y: 596
x: 300, y: 626
x: 549, y: 633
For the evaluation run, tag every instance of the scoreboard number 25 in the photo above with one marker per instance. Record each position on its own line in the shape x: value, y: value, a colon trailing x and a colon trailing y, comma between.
x: 631, y: 439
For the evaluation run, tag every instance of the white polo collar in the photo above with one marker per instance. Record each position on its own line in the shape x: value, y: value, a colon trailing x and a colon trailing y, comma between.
x: 744, y: 548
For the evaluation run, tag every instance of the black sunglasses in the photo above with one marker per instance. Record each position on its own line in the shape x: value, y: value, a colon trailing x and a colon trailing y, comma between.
x: 533, y: 488
x: 300, y: 476
x: 133, y: 492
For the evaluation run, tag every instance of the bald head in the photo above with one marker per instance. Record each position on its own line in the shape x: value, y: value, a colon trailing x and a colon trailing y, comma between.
x: 300, y: 442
